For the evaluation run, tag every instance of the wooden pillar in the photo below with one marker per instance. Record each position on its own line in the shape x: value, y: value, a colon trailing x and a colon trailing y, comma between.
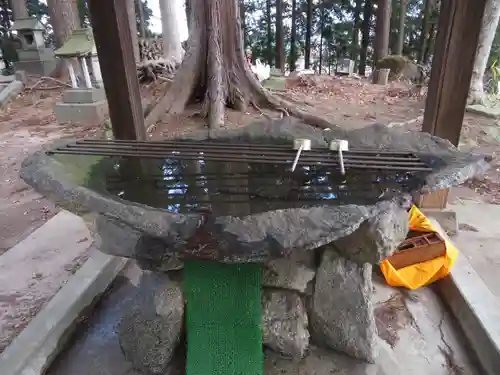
x: 113, y: 40
x: 456, y: 43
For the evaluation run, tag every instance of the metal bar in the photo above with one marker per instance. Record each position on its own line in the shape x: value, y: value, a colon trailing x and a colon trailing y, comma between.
x: 250, y: 156
x: 224, y: 150
x: 253, y: 146
x: 152, y: 155
x: 221, y: 153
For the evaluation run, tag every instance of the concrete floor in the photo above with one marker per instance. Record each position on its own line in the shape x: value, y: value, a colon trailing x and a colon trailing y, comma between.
x: 479, y: 239
x: 423, y: 337
x: 36, y: 268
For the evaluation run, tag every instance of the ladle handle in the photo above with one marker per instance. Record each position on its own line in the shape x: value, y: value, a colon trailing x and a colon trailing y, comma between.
x: 294, y: 165
x: 341, y: 159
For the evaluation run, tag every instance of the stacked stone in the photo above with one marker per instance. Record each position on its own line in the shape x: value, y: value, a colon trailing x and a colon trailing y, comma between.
x: 328, y: 305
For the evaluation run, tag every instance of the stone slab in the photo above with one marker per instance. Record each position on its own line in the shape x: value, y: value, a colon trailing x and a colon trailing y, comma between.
x: 42, y: 68
x: 476, y: 309
x: 478, y: 239
x: 80, y: 96
x: 40, y: 342
x: 446, y: 218
x: 482, y: 110
x: 39, y: 54
x: 91, y: 113
x: 10, y: 92
x: 37, y: 267
x: 7, y: 79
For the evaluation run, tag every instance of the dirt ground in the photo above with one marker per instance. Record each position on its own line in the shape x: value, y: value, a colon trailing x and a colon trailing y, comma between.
x: 28, y: 124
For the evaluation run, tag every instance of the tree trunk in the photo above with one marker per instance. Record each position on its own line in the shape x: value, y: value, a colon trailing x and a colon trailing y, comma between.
x: 355, y: 30
x: 280, y: 43
x: 142, y: 24
x: 382, y: 30
x: 187, y: 6
x: 401, y: 31
x: 309, y: 17
x: 215, y: 72
x: 132, y: 20
x: 269, y: 45
x: 172, y: 47
x: 321, y: 24
x: 243, y: 22
x: 365, y: 37
x: 63, y: 18
x: 293, y: 38
x: 19, y: 9
x: 488, y: 30
x: 429, y: 46
x: 424, y: 30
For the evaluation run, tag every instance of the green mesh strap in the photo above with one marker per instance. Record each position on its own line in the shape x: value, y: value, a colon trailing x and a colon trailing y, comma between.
x: 223, y: 318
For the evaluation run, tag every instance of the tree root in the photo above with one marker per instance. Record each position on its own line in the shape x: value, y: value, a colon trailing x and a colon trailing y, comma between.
x: 152, y: 70
x: 260, y: 111
x: 42, y: 79
x: 290, y: 109
x: 215, y: 71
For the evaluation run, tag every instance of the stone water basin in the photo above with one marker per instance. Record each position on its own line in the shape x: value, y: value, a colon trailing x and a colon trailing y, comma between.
x: 318, y: 256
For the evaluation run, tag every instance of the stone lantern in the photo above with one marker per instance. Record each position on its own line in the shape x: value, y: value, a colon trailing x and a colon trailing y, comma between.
x: 34, y: 56
x: 86, y: 100
x: 80, y: 47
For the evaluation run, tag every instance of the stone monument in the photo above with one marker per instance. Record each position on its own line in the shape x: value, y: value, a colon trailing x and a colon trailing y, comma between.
x: 344, y: 67
x: 86, y: 100
x: 34, y: 57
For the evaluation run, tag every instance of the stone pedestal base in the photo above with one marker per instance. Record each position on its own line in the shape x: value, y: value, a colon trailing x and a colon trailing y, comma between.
x: 42, y: 68
x: 82, y: 105
x: 78, y: 96
x: 93, y: 113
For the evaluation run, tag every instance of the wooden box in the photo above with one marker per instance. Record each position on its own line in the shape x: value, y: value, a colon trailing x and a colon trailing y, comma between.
x: 418, y: 249
x: 435, y: 200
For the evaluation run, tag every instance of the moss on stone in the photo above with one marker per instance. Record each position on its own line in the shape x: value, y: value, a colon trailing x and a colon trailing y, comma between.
x: 396, y: 64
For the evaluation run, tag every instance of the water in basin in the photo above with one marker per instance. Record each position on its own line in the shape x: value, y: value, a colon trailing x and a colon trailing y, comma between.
x: 235, y: 188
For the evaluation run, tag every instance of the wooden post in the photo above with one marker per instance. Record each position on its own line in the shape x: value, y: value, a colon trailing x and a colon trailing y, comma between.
x: 113, y: 40
x: 456, y: 43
